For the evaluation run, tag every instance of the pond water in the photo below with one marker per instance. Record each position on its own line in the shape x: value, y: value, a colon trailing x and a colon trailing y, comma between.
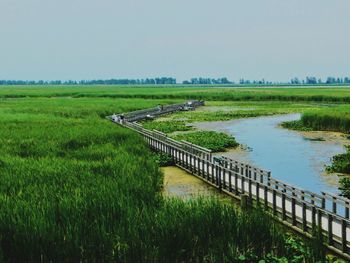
x: 297, y: 158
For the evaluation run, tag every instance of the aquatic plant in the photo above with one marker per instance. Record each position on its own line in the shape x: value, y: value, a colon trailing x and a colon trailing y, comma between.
x: 345, y: 186
x: 295, y: 125
x: 164, y: 159
x: 166, y: 126
x: 215, y: 141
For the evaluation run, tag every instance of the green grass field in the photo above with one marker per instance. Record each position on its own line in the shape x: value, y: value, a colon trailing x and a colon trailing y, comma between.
x: 75, y: 187
x: 319, y: 94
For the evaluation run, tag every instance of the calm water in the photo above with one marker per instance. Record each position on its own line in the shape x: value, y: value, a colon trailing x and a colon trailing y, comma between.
x: 289, y: 155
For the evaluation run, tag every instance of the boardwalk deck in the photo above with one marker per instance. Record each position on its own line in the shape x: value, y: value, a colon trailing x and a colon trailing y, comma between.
x: 299, y: 209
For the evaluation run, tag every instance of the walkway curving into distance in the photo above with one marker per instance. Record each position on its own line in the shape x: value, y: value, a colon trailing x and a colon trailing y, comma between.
x: 302, y: 210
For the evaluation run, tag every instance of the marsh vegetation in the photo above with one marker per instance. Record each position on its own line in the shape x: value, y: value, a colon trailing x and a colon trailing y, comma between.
x: 215, y: 141
x: 75, y: 187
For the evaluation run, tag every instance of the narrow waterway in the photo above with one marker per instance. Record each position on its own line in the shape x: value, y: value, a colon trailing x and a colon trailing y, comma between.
x: 298, y: 158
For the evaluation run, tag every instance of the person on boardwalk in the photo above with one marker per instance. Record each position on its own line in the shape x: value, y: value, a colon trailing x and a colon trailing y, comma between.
x: 121, y: 119
x: 114, y: 117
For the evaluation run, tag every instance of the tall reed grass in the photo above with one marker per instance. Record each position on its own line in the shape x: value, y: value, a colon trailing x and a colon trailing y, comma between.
x: 76, y: 188
x: 328, y: 119
x: 318, y: 94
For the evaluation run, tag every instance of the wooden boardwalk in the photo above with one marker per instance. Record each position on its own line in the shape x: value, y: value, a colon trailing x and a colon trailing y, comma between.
x: 302, y: 210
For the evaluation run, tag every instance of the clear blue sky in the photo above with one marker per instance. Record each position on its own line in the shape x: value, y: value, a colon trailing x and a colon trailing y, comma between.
x: 88, y: 39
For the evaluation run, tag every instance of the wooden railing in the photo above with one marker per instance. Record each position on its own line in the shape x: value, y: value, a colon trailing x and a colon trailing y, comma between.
x: 300, y: 209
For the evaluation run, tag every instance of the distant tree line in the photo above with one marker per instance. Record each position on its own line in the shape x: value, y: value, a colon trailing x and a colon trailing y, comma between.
x: 207, y: 81
x: 147, y: 81
x: 255, y: 82
x: 314, y: 81
x: 171, y: 81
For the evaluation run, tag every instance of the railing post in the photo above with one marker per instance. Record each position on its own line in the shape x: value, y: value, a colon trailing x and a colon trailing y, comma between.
x: 294, y: 221
x: 323, y: 204
x: 191, y: 165
x: 230, y: 181
x: 330, y: 229
x: 187, y: 163
x: 224, y: 177
x: 212, y: 174
x: 219, y: 182
x: 334, y: 205
x: 242, y: 185
x: 343, y: 234
x: 203, y: 167
x: 266, y: 202
x: 208, y: 173
x: 250, y: 188
x: 313, y: 218
x: 236, y: 184
x: 304, y: 218
x: 319, y: 219
x: 194, y: 159
x: 274, y: 202
x: 312, y: 199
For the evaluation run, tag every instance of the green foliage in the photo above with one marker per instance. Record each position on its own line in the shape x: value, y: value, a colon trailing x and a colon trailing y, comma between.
x: 345, y: 186
x: 340, y: 163
x: 337, y: 119
x: 295, y: 125
x: 166, y: 126
x: 215, y: 141
x: 164, y: 159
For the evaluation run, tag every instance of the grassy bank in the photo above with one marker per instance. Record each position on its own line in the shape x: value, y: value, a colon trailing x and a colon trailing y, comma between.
x: 335, y: 118
x: 75, y: 187
x: 329, y: 119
